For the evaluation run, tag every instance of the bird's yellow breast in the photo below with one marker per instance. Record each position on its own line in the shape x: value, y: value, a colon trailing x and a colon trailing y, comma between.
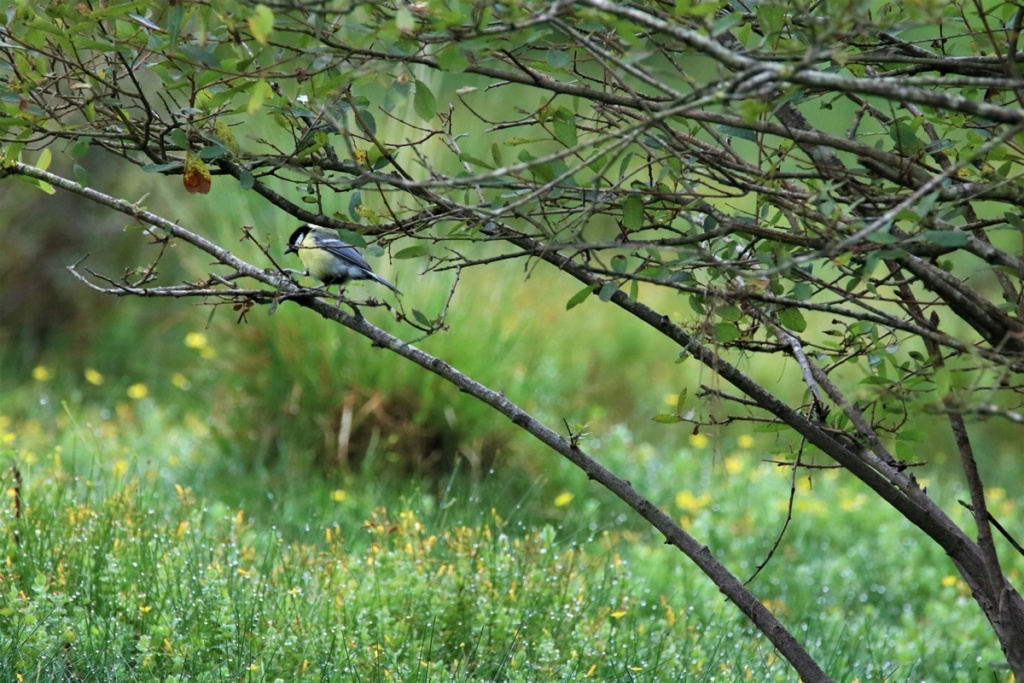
x: 321, y: 264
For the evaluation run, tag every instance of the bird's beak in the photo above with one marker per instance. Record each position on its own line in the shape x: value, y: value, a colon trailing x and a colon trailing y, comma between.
x: 292, y: 249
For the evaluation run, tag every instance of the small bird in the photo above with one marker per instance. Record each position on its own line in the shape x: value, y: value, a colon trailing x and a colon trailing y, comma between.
x: 330, y: 260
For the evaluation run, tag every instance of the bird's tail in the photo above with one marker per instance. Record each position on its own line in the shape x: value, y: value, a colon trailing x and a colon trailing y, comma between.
x: 387, y: 284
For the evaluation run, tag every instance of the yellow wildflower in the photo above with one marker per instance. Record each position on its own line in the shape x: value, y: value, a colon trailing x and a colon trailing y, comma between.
x: 687, y: 501
x: 138, y: 391
x: 734, y: 464
x: 195, y: 340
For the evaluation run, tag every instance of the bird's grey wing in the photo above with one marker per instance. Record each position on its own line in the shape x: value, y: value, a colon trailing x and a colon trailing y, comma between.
x: 346, y: 253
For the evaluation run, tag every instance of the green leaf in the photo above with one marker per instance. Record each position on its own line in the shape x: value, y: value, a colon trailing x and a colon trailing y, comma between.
x: 424, y: 102
x: 202, y: 54
x: 45, y: 157
x: 906, y: 451
x: 624, y: 164
x: 261, y: 23
x: 81, y: 175
x: 452, y: 59
x: 175, y: 17
x: 246, y: 180
x: 414, y: 251
x: 420, y: 318
x: 681, y: 399
x: 741, y: 133
x: 312, y: 142
x: 619, y: 263
x: 259, y: 92
x: 544, y: 172
x: 905, y: 136
x: 771, y: 17
x: 212, y: 152
x: 801, y: 291
x: 80, y: 148
x: 793, y: 319
x: 564, y: 126
x: 40, y: 184
x: 608, y: 291
x: 557, y: 59
x: 723, y: 24
x: 944, y: 238
x: 404, y: 20
x: 882, y: 236
x: 633, y: 212
x: 355, y: 200
x: 473, y: 161
x: 579, y: 297
x: 367, y: 120
x: 729, y: 313
x: 667, y: 418
x: 726, y: 333
x: 905, y: 434
x: 179, y: 139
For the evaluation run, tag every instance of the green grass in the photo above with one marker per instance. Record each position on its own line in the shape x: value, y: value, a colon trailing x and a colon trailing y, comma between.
x: 117, y: 579
x: 127, y: 562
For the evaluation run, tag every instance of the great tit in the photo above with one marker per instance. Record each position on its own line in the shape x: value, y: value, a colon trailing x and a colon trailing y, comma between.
x: 330, y: 260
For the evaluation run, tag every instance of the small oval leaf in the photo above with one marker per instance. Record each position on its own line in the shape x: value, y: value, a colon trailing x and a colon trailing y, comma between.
x: 414, y: 251
x: 608, y: 291
x: 81, y: 175
x: 423, y: 101
x: 792, y: 319
x: 633, y: 212
x: 579, y: 297
x: 564, y: 127
x: 726, y: 333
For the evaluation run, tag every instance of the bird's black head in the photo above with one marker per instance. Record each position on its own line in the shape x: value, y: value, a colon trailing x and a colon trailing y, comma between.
x: 296, y: 239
